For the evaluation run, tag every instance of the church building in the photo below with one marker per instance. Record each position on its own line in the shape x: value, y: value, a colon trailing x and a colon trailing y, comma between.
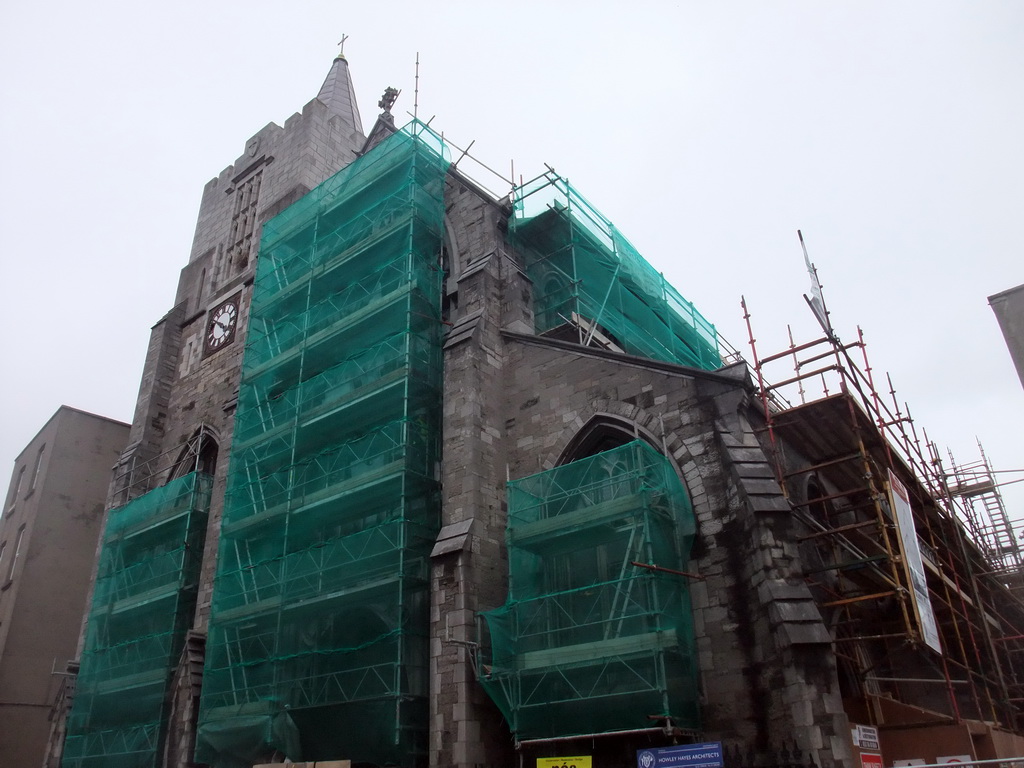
x: 420, y: 475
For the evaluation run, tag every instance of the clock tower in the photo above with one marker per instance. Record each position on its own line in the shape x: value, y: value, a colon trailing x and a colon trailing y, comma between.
x: 184, y: 415
x: 190, y: 379
x: 222, y: 325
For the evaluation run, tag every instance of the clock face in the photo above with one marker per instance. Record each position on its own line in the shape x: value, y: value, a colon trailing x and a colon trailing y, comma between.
x: 220, y: 329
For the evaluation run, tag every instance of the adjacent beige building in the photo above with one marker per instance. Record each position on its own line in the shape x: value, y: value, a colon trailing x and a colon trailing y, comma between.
x: 51, y: 523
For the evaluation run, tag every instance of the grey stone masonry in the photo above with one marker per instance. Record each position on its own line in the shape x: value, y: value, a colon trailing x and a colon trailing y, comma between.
x: 469, y: 567
x: 786, y: 650
x: 184, y: 698
x: 149, y: 424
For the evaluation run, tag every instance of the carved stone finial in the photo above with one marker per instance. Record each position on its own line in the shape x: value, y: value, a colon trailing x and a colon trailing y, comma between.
x: 388, y: 99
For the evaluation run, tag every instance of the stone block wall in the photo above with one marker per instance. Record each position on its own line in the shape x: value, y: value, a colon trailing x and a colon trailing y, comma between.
x: 469, y: 567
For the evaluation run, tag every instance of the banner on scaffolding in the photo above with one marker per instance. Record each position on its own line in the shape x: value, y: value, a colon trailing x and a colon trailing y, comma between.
x: 706, y: 755
x: 900, y: 501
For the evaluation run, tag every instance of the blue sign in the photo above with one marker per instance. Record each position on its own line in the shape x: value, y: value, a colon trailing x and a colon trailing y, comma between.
x: 708, y: 755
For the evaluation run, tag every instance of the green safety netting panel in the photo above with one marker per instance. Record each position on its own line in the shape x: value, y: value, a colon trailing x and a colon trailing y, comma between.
x: 317, y: 646
x: 591, y: 285
x: 588, y: 642
x: 142, y: 606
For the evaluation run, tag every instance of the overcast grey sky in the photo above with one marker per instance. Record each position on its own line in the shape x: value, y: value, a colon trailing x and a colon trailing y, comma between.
x: 891, y: 133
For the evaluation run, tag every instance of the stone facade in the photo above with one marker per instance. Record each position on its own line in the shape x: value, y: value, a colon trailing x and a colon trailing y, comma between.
x: 764, y: 654
x: 514, y: 403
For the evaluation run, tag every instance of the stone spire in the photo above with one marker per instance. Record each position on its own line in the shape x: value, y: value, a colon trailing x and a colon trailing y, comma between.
x: 339, y: 95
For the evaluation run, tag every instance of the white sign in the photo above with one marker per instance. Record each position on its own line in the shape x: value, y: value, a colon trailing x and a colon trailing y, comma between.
x: 865, y: 736
x: 900, y: 500
x: 954, y: 759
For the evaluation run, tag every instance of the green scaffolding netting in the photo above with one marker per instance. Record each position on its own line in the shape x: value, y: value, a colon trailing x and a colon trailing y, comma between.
x: 143, y: 603
x: 588, y: 642
x: 317, y: 645
x: 590, y: 284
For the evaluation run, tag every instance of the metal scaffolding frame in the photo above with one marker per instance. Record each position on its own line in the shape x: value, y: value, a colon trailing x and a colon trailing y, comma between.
x: 320, y: 610
x: 596, y: 634
x: 142, y: 607
x: 838, y: 447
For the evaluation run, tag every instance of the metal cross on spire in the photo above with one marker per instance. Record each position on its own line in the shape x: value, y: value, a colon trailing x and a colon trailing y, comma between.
x: 341, y: 53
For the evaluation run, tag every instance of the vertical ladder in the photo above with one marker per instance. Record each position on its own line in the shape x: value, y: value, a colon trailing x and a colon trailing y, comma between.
x: 976, y: 485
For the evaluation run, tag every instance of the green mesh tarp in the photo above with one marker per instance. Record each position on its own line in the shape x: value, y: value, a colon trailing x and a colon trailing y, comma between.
x: 143, y: 603
x: 591, y: 285
x: 589, y: 642
x: 317, y: 646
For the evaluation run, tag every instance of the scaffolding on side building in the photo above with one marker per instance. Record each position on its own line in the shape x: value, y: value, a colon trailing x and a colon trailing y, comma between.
x: 874, y: 498
x: 975, y: 485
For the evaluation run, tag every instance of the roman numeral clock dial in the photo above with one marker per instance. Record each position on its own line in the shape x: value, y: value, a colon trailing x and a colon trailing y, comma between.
x: 221, y: 325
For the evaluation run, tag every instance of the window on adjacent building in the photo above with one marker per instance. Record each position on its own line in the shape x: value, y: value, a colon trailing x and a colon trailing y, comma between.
x: 16, y: 490
x: 39, y: 464
x: 17, y: 551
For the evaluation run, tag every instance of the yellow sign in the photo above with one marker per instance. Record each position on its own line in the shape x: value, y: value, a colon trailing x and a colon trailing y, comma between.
x: 581, y: 761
